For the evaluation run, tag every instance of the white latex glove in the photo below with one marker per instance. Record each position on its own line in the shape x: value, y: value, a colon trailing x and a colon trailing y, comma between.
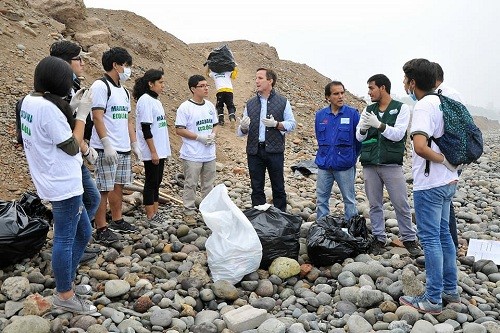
x: 136, y: 151
x: 244, y: 123
x: 90, y: 155
x: 363, y: 125
x: 371, y: 119
x: 75, y: 100
x: 110, y: 154
x: 203, y: 139
x: 84, y: 106
x: 211, y: 139
x: 269, y: 122
x: 448, y: 165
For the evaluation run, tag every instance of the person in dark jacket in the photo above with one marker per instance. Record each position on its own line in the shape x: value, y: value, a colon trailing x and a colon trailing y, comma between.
x: 338, y: 150
x: 266, y: 119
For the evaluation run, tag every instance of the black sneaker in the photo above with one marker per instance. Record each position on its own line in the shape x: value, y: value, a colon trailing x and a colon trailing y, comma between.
x: 378, y: 247
x: 121, y: 226
x: 413, y: 248
x: 105, y: 236
x: 87, y: 257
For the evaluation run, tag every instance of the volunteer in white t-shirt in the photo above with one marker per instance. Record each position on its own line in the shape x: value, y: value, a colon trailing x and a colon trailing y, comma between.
x: 51, y: 140
x: 224, y: 86
x: 113, y: 136
x: 432, y: 191
x: 152, y: 136
x: 196, y: 122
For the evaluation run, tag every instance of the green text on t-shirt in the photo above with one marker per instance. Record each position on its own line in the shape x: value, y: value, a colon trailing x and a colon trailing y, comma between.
x: 29, y: 118
x: 204, y: 124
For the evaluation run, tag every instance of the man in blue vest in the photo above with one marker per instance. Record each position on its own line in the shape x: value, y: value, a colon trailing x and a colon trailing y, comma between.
x: 266, y: 119
x: 382, y: 133
x: 338, y: 150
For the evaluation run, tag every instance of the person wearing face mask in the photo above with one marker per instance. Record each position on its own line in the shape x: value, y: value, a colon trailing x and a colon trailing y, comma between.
x: 114, y: 138
x: 432, y: 192
x: 382, y: 133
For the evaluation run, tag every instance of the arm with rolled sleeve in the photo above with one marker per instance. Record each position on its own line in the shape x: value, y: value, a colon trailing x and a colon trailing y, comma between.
x: 288, y: 124
x: 398, y: 131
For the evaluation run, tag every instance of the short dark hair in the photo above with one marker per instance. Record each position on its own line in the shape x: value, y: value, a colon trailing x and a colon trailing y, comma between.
x: 65, y: 49
x: 141, y: 85
x: 328, y: 87
x: 270, y: 75
x: 439, y: 72
x: 422, y: 72
x: 381, y: 80
x: 115, y: 54
x: 194, y: 80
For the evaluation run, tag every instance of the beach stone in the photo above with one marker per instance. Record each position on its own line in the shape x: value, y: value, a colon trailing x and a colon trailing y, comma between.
x: 115, y: 288
x: 423, y: 326
x: 225, y: 290
x: 161, y: 317
x: 272, y: 325
x: 30, y: 323
x: 15, y: 287
x: 284, y: 267
x: 474, y: 328
x: 443, y: 328
x: 357, y: 324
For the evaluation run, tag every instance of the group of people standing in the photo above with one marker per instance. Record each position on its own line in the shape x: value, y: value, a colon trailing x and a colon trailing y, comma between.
x: 56, y: 140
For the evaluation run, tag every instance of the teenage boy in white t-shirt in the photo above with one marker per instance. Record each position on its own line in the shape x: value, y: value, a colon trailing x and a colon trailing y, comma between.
x: 196, y: 122
x: 433, y: 190
x: 113, y: 136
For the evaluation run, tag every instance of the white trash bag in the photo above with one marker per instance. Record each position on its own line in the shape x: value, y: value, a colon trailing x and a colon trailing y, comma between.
x: 233, y: 248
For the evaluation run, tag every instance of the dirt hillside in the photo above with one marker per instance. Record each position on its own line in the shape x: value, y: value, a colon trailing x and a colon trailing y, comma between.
x: 28, y: 28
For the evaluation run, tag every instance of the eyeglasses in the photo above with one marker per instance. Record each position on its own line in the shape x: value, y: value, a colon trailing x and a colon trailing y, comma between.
x: 203, y: 86
x: 79, y: 58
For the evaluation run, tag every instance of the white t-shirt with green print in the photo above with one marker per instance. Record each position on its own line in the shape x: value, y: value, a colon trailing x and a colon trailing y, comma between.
x: 199, y: 119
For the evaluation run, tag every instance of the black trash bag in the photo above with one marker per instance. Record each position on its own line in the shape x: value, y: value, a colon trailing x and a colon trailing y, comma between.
x: 278, y: 233
x: 306, y: 167
x: 33, y: 206
x: 221, y: 60
x: 20, y: 235
x: 328, y: 244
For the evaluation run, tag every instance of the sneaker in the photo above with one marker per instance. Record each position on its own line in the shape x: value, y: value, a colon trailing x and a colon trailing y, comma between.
x: 92, y: 249
x: 121, y: 226
x: 155, y: 222
x: 450, y: 298
x: 413, y: 248
x: 422, y: 304
x: 87, y: 257
x: 105, y: 236
x: 378, y: 247
x: 75, y: 304
x: 232, y: 120
x: 82, y: 289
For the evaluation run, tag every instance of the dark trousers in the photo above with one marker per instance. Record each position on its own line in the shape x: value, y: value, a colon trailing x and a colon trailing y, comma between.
x: 154, y: 175
x: 225, y: 97
x: 257, y: 165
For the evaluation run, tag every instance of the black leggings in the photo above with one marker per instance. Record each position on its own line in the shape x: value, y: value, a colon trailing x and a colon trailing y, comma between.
x: 225, y: 97
x: 154, y: 176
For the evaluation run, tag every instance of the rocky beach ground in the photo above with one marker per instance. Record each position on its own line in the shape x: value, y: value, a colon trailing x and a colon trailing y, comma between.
x: 157, y: 280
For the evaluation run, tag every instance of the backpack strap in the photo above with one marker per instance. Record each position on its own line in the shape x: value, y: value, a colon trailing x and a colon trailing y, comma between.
x: 19, y: 135
x: 103, y: 79
x: 427, y: 162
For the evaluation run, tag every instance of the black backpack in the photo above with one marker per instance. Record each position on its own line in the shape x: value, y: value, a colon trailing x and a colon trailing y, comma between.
x: 19, y: 136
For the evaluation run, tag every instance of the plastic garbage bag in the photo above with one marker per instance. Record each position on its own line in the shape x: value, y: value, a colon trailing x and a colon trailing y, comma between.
x: 331, y: 240
x: 20, y: 235
x: 233, y: 248
x: 33, y: 206
x: 221, y: 60
x: 306, y: 167
x: 278, y: 233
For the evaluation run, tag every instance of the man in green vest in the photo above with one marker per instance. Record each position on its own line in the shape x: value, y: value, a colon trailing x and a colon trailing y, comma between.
x: 382, y: 133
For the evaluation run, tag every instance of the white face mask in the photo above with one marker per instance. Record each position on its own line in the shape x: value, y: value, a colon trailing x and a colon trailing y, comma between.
x: 127, y: 72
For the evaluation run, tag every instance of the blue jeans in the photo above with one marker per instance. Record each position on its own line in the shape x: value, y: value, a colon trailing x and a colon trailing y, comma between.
x: 91, y: 195
x: 432, y: 211
x: 72, y: 232
x: 345, y: 180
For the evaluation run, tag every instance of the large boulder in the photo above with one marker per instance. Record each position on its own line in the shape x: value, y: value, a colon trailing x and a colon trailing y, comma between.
x: 64, y: 11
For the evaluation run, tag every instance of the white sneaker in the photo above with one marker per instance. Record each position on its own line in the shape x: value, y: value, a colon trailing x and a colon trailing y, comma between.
x: 75, y: 304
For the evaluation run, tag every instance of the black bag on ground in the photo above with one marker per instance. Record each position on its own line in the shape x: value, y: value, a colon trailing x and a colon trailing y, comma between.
x: 20, y: 236
x: 278, y: 233
x: 33, y: 207
x: 332, y: 240
x: 221, y: 60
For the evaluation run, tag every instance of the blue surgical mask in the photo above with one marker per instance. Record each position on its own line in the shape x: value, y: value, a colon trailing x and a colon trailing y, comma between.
x: 412, y: 94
